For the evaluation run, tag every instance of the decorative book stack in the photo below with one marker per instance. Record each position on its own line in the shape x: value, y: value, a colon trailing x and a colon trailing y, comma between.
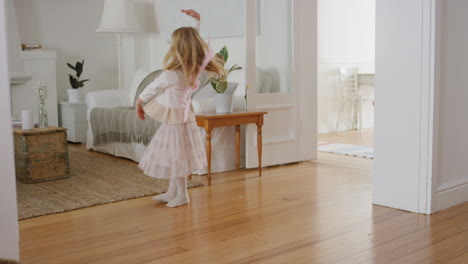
x: 31, y: 46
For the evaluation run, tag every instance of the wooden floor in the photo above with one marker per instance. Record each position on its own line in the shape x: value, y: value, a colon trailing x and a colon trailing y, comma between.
x: 312, y: 212
x: 350, y: 137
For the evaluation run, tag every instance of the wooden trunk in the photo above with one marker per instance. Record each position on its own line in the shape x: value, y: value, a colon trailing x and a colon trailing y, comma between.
x: 41, y: 154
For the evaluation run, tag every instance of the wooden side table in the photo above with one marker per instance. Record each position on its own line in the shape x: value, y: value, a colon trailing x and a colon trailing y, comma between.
x: 41, y: 154
x: 212, y: 120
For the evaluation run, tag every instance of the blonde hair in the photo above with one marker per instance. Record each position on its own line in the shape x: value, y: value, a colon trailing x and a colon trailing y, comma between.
x: 187, y: 53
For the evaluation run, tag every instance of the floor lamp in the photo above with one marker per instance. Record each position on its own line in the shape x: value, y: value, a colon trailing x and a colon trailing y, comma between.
x: 118, y: 16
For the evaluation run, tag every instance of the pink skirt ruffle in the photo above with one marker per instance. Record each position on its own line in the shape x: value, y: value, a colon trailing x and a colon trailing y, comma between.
x: 174, y: 151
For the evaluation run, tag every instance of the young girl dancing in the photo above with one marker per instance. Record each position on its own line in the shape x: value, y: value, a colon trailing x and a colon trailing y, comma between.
x: 176, y: 150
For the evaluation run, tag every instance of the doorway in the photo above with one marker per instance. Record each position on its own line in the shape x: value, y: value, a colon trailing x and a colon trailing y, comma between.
x: 396, y: 174
x: 346, y: 73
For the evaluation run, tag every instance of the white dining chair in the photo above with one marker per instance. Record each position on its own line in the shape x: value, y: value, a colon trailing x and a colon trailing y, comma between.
x: 350, y: 93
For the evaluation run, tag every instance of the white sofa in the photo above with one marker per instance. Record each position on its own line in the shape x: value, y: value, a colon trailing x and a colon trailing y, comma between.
x: 223, y: 139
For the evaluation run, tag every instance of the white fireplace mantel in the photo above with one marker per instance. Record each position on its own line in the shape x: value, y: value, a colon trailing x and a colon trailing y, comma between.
x: 41, y: 66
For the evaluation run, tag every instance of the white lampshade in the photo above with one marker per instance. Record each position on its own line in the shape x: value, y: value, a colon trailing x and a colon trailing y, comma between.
x: 118, y: 16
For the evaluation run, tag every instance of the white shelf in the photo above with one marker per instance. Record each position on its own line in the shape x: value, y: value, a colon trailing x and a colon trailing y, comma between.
x: 38, y: 55
x: 19, y: 78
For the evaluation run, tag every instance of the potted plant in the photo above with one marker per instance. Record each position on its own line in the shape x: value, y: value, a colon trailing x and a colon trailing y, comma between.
x: 220, y: 84
x: 75, y: 82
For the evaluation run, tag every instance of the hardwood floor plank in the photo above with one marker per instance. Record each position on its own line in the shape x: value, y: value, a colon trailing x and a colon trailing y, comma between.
x: 462, y: 259
x: 387, y: 243
x: 350, y: 137
x: 310, y: 212
x: 439, y: 251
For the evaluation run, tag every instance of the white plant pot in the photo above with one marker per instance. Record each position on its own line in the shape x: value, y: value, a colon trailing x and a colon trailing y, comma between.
x: 74, y: 95
x: 223, y: 102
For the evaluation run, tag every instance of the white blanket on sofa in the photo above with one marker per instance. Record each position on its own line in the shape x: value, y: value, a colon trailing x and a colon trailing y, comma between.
x: 223, y: 139
x: 121, y: 124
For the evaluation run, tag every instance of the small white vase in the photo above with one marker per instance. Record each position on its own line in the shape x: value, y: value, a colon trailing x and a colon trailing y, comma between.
x: 74, y: 95
x: 223, y: 102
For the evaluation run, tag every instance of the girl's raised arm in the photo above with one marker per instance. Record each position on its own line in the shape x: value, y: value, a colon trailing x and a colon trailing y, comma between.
x: 195, y: 15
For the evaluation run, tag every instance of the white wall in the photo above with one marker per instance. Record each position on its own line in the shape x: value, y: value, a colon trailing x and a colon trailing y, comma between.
x: 69, y: 27
x: 14, y: 44
x: 8, y: 216
x: 147, y: 50
x: 346, y: 37
x: 452, y: 168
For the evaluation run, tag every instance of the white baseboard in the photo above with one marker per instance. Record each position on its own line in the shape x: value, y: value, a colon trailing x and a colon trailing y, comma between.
x: 451, y: 196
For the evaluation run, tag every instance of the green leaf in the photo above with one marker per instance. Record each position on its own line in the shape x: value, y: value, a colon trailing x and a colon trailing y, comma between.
x: 79, y: 69
x: 81, y: 83
x: 214, y: 81
x: 235, y: 68
x: 78, y: 73
x: 224, y: 53
x: 223, y: 56
x: 221, y: 86
x: 73, y: 81
x: 71, y: 66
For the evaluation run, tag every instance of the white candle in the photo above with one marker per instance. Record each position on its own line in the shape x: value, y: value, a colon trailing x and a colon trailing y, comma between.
x: 27, y: 120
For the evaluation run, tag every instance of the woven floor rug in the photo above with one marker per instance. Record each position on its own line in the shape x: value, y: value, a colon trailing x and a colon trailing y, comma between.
x: 95, y: 179
x: 346, y: 149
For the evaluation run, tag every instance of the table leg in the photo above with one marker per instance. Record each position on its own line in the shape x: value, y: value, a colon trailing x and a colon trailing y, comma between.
x: 208, y: 153
x: 259, y: 147
x: 237, y: 147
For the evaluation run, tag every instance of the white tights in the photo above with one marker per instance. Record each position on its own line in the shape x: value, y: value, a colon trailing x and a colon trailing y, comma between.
x: 177, y: 194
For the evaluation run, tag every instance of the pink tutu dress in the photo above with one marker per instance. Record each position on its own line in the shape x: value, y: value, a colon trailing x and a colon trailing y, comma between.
x: 176, y: 150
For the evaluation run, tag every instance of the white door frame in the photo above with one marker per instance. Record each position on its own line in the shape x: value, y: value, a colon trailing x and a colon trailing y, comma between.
x: 308, y: 80
x: 404, y: 174
x: 9, y: 216
x: 428, y: 108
